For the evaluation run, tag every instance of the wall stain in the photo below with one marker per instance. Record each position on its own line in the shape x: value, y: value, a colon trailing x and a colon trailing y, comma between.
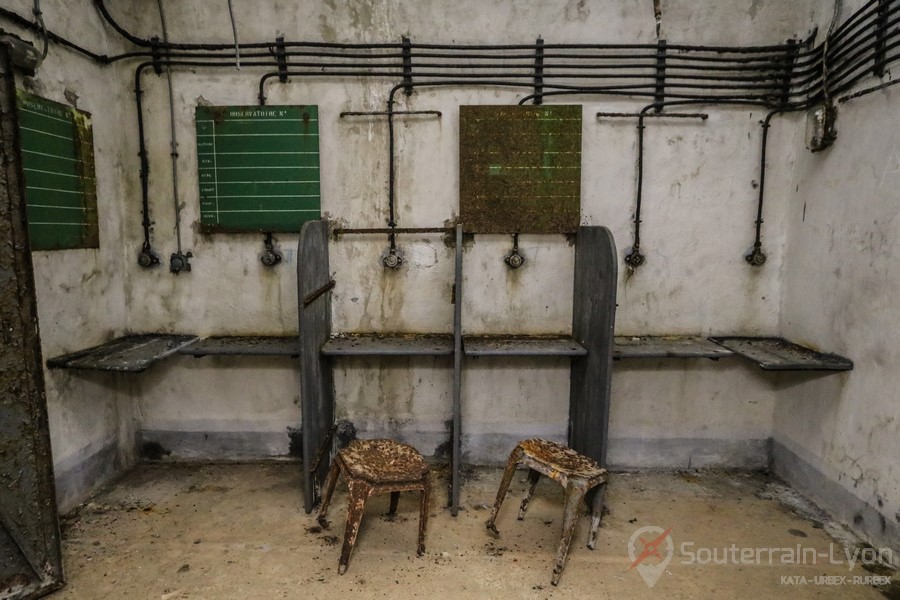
x: 577, y: 10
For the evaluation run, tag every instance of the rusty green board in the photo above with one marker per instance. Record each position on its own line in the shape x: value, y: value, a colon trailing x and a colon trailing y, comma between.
x: 258, y: 167
x: 520, y: 168
x: 58, y: 160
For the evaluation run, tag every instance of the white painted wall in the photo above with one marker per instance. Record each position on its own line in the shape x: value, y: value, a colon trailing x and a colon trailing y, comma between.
x: 842, y: 279
x: 699, y: 210
x: 698, y: 223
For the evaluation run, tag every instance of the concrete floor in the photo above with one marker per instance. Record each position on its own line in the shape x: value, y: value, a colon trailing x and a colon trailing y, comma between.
x: 169, y: 531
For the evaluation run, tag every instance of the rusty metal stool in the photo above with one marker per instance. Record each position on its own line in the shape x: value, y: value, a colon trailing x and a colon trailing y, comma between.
x: 578, y: 474
x: 375, y: 467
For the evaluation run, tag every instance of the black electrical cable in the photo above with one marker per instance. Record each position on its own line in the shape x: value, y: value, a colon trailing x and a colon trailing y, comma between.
x: 864, y: 56
x: 868, y: 90
x: 268, y: 46
x: 654, y: 47
x: 119, y: 29
x: 24, y: 23
x: 863, y: 64
x: 845, y: 29
x: 765, y: 90
x: 855, y: 20
x: 874, y: 36
x: 765, y: 70
x: 146, y: 43
x: 862, y: 59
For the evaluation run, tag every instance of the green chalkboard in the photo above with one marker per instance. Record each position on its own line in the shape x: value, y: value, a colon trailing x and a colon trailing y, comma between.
x: 258, y: 167
x: 58, y: 159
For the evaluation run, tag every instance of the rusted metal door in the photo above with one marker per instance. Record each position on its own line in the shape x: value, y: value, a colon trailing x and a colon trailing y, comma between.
x: 30, y: 560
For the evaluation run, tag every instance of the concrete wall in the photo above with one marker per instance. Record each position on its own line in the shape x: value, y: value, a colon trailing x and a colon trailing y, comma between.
x: 837, y: 438
x: 80, y: 293
x: 700, y: 203
x: 698, y: 223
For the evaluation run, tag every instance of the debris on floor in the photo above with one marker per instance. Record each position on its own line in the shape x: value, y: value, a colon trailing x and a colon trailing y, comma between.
x: 173, y: 531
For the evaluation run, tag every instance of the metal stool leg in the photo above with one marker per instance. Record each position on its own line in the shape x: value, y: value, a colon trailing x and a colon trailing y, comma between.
x: 596, y: 513
x: 359, y: 493
x: 574, y: 498
x: 533, y: 478
x: 395, y: 498
x: 423, y: 513
x: 508, y: 472
x: 327, y: 492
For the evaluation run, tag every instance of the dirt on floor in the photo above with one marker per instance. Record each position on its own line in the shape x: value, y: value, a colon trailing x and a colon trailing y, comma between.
x: 170, y: 531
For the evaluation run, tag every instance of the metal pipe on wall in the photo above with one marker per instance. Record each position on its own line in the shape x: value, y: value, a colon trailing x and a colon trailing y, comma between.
x: 179, y: 261
x: 729, y: 75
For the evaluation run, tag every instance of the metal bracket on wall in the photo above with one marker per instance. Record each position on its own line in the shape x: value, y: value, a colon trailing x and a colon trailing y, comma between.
x: 156, y: 55
x: 880, y: 48
x: 281, y: 59
x: 315, y: 294
x: 539, y: 71
x: 407, y: 66
x: 660, y: 96
x: 789, y: 60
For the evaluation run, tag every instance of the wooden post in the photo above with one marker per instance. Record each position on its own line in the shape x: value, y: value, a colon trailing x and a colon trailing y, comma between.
x: 593, y: 325
x: 316, y: 380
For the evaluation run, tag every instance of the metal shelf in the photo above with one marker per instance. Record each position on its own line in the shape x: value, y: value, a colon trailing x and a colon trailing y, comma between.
x: 392, y: 344
x: 256, y: 345
x: 521, y: 345
x: 129, y: 354
x: 778, y: 354
x: 668, y: 346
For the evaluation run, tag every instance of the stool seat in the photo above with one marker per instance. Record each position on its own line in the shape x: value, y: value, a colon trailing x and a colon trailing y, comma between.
x: 561, y: 458
x: 380, y: 461
x: 374, y: 467
x: 581, y: 476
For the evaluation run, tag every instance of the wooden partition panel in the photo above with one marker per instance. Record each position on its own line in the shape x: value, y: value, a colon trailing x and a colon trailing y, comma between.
x: 593, y: 324
x: 316, y: 381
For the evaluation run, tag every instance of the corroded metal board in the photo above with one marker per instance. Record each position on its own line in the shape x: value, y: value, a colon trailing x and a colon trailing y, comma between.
x: 520, y: 168
x: 30, y: 560
x: 593, y: 323
x: 316, y: 382
x: 777, y: 354
x: 128, y: 354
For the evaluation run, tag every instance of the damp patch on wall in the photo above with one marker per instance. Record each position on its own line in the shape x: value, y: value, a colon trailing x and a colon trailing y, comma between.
x: 520, y: 168
x: 258, y: 167
x: 57, y: 145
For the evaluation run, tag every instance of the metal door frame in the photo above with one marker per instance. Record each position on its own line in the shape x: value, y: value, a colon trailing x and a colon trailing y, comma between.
x: 28, y: 513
